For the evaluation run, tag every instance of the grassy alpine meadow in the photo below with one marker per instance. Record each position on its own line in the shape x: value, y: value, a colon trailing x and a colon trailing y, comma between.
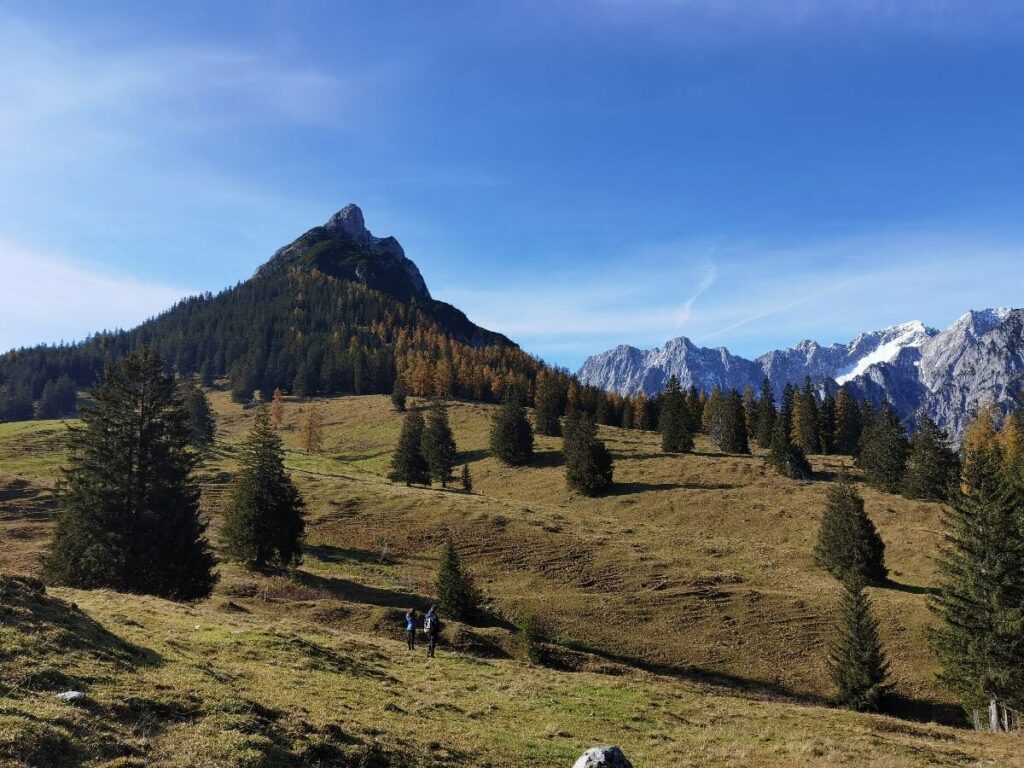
x: 685, y: 618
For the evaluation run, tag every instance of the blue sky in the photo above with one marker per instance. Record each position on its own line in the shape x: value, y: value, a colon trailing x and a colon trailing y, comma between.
x: 574, y: 174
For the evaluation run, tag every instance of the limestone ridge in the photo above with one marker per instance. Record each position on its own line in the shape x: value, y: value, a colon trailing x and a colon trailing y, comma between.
x: 344, y: 248
x: 946, y: 374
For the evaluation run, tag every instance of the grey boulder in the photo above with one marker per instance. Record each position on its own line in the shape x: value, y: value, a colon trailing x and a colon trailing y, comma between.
x: 603, y: 757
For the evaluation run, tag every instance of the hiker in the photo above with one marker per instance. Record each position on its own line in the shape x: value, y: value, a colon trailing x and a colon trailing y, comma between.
x: 432, y: 626
x: 410, y: 628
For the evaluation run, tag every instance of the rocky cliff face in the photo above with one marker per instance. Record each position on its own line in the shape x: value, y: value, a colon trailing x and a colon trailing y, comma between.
x: 944, y: 374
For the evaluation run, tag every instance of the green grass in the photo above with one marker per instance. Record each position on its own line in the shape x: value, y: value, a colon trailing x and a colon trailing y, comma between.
x: 690, y: 618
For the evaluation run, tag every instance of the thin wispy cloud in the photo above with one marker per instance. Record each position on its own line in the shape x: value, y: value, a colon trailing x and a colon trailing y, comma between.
x: 47, y: 298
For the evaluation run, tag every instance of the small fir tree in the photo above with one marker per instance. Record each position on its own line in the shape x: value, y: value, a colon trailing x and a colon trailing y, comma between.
x: 511, y: 436
x: 849, y: 546
x: 750, y: 411
x: 765, y: 414
x: 408, y: 464
x: 858, y: 664
x: 784, y: 457
x: 883, y: 450
x: 398, y: 395
x: 277, y: 409
x: 980, y: 602
x: 128, y: 515
x: 674, y: 420
x: 312, y: 431
x: 456, y: 594
x: 932, y: 467
x: 438, y: 445
x: 467, y: 479
x: 588, y: 463
x: 264, y: 525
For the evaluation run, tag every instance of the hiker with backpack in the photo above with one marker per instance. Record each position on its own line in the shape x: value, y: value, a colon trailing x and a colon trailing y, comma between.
x: 432, y: 628
x: 410, y: 628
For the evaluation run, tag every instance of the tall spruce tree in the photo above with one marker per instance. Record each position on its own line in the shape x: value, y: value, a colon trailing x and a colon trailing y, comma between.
x: 805, y: 428
x: 827, y: 424
x: 588, y: 463
x: 714, y: 415
x: 456, y: 593
x: 847, y: 427
x: 201, y: 424
x: 408, y: 464
x: 674, y: 420
x: 58, y: 399
x: 980, y: 642
x: 858, y: 664
x: 750, y: 411
x: 263, y: 525
x: 549, y: 403
x: 932, y: 466
x: 511, y: 436
x: 438, y: 445
x: 765, y: 414
x: 849, y: 546
x: 785, y: 415
x: 784, y: 457
x: 883, y: 450
x: 129, y: 503
x: 733, y: 425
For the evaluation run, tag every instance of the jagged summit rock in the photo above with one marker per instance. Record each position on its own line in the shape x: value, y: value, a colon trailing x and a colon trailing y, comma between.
x: 343, y: 247
x: 920, y: 370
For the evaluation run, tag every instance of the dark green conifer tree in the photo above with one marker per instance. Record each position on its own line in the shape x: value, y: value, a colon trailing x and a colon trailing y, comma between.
x: 457, y: 596
x: 785, y: 414
x: 883, y: 449
x: 847, y: 429
x: 784, y: 457
x: 628, y: 416
x: 201, y: 424
x: 766, y: 414
x: 58, y: 399
x: 859, y: 667
x: 827, y: 424
x: 695, y: 403
x: 129, y: 502
x: 467, y: 479
x: 398, y: 395
x: 408, y: 464
x: 674, y: 420
x: 588, y: 463
x: 805, y: 428
x: 980, y: 643
x: 932, y: 466
x: 263, y: 525
x: 733, y: 425
x: 511, y: 436
x: 549, y: 405
x: 438, y: 445
x: 849, y: 546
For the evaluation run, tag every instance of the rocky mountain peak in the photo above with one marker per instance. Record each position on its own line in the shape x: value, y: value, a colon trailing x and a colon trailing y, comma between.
x: 350, y: 221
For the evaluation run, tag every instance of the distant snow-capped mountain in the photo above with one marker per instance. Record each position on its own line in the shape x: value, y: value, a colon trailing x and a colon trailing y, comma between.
x: 920, y: 370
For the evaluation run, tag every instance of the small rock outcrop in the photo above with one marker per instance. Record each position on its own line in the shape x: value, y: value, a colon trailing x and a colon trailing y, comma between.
x: 603, y: 757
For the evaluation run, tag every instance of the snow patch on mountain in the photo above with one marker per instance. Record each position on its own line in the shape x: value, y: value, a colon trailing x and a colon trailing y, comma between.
x: 890, y: 342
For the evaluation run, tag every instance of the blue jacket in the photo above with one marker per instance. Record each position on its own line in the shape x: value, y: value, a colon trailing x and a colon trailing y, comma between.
x: 410, y: 622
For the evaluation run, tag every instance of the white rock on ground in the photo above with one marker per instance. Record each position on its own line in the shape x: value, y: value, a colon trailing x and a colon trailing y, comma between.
x: 603, y: 757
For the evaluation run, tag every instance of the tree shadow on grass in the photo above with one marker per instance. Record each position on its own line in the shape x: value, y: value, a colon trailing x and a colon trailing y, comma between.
x: 912, y: 589
x: 468, y: 457
x: 548, y: 459
x: 327, y: 553
x: 921, y: 711
x: 624, y: 489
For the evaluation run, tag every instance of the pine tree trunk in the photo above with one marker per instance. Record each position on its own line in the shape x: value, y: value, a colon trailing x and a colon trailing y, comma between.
x: 994, y: 721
